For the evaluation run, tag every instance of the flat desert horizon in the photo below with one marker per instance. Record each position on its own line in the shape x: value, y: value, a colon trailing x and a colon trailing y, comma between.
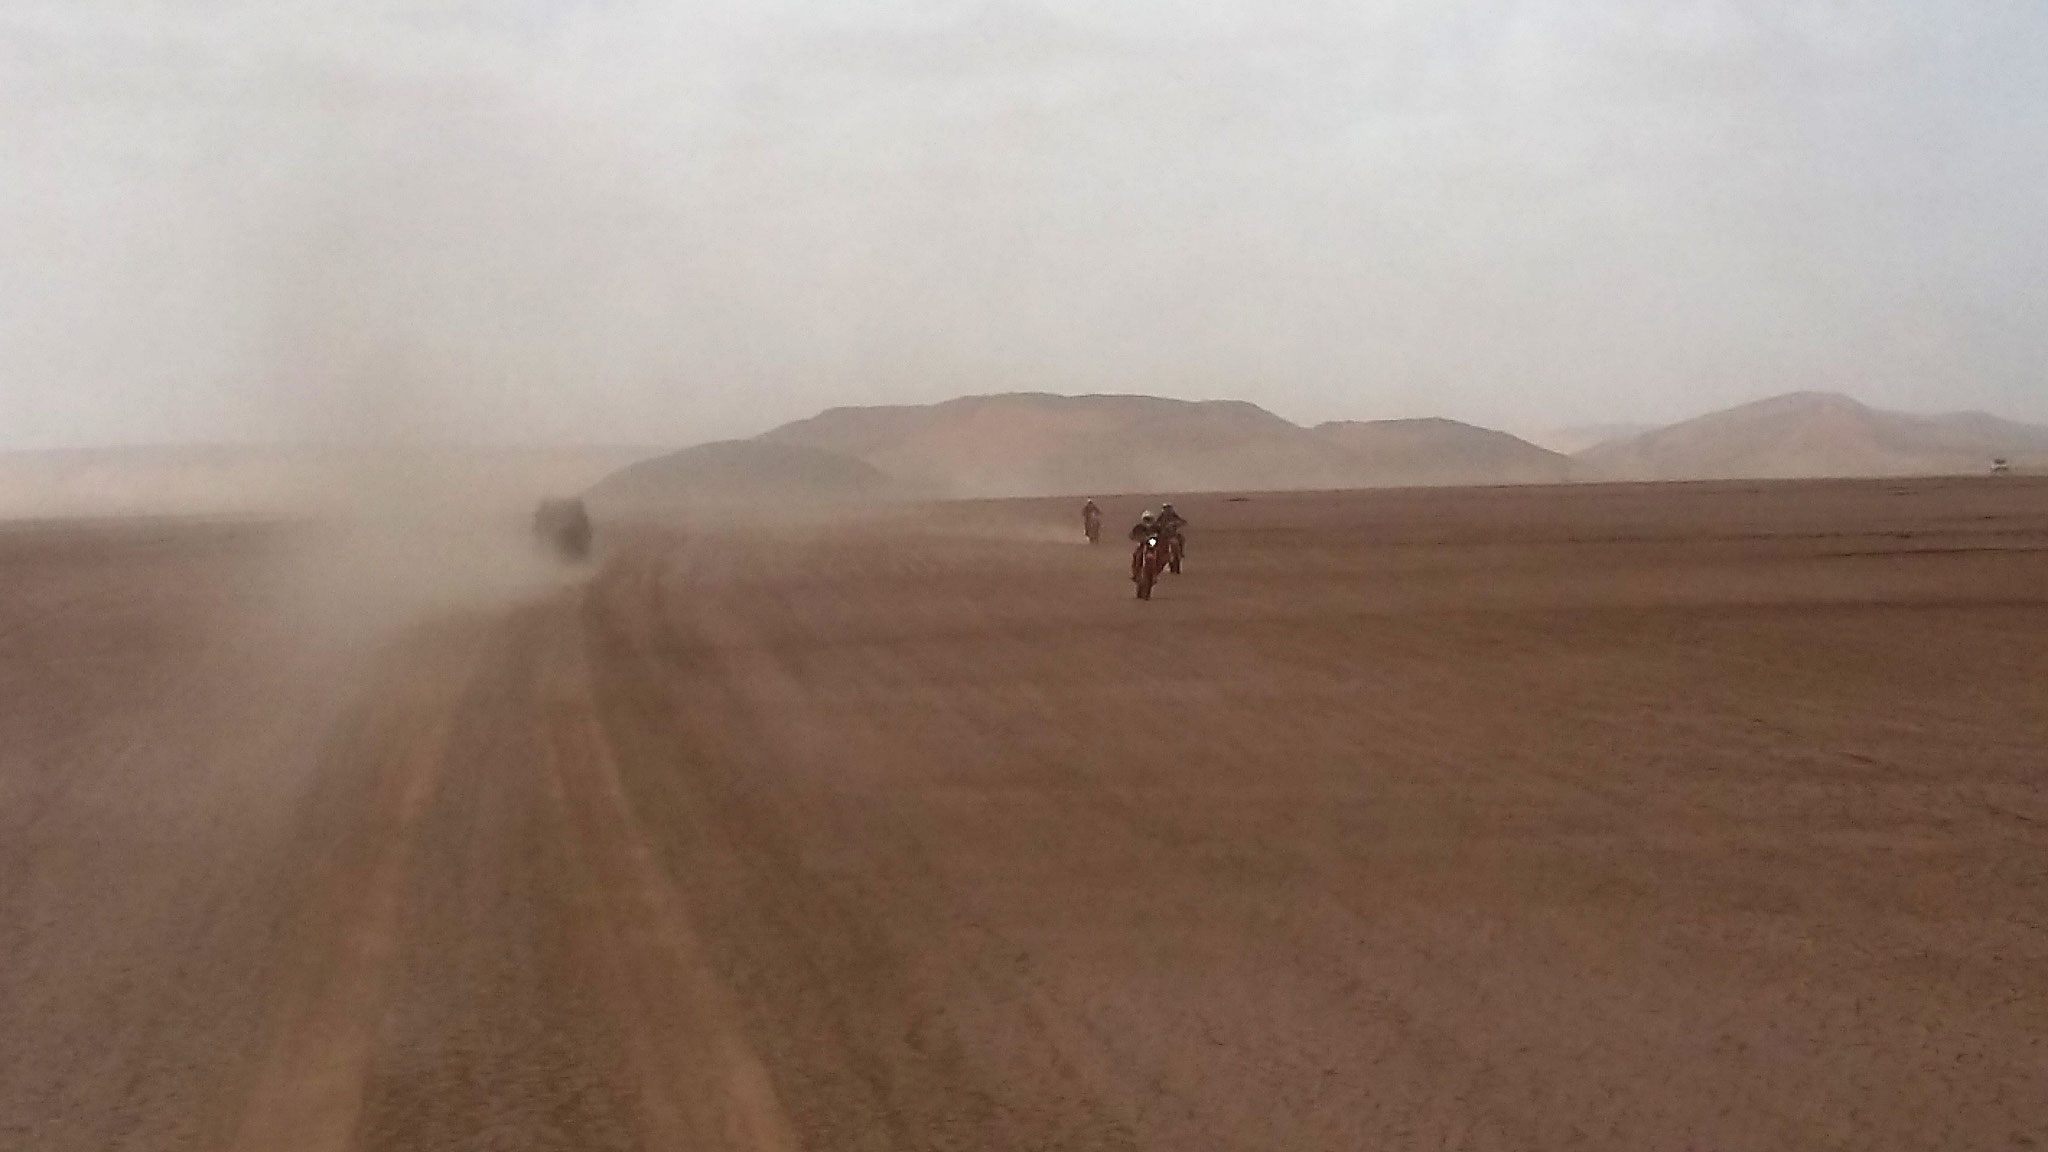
x: 1602, y: 816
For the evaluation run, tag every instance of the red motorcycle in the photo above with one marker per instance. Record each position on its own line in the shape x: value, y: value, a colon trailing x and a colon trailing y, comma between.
x: 1146, y: 563
x: 1176, y: 547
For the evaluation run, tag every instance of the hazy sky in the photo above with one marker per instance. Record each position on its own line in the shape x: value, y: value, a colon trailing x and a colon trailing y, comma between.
x: 659, y: 222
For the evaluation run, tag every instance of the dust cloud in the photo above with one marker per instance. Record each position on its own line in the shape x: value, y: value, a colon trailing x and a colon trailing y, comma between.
x: 424, y: 337
x: 400, y: 539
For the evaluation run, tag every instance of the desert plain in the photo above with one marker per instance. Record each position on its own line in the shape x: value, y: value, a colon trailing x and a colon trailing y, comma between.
x: 1609, y: 816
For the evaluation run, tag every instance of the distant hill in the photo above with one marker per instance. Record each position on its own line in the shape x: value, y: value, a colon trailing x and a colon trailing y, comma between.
x: 738, y: 474
x: 1403, y: 453
x: 1579, y: 437
x: 1030, y: 444
x: 1814, y: 434
x: 1037, y: 444
x: 1034, y: 444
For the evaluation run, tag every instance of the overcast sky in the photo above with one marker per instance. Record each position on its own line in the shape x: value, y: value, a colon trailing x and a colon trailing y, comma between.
x: 657, y: 222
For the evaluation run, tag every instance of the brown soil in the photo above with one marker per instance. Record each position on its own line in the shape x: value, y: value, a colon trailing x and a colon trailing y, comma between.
x: 1620, y: 818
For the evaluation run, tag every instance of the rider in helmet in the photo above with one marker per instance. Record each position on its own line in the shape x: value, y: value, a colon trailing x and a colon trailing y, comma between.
x: 1146, y: 528
x: 1170, y: 524
x: 1091, y: 520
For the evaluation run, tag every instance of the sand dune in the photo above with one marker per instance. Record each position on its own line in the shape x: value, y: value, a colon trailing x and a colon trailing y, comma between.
x: 1436, y: 452
x: 1033, y: 444
x: 1576, y: 438
x: 1036, y: 444
x: 1814, y: 434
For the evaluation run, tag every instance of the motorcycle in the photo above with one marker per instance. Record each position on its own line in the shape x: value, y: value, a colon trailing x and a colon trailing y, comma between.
x: 564, y: 527
x: 1092, y: 525
x: 1176, y: 547
x: 1146, y: 563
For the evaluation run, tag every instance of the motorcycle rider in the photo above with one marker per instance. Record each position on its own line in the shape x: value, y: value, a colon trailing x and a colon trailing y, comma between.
x: 1091, y: 521
x: 1145, y: 529
x: 1170, y: 524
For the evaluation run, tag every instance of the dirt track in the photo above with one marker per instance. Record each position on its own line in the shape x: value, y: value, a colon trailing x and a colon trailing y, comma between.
x: 1625, y: 818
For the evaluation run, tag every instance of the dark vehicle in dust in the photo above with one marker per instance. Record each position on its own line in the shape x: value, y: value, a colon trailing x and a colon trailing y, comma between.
x: 563, y: 526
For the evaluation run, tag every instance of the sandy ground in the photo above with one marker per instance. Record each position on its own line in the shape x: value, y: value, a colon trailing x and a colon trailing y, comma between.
x: 1698, y: 817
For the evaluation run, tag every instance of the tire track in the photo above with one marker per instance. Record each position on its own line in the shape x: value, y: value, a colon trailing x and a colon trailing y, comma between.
x: 700, y: 1085
x: 309, y: 1096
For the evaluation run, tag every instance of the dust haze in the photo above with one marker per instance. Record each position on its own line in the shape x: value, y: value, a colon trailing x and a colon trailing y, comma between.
x: 555, y: 223
x: 1438, y: 799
